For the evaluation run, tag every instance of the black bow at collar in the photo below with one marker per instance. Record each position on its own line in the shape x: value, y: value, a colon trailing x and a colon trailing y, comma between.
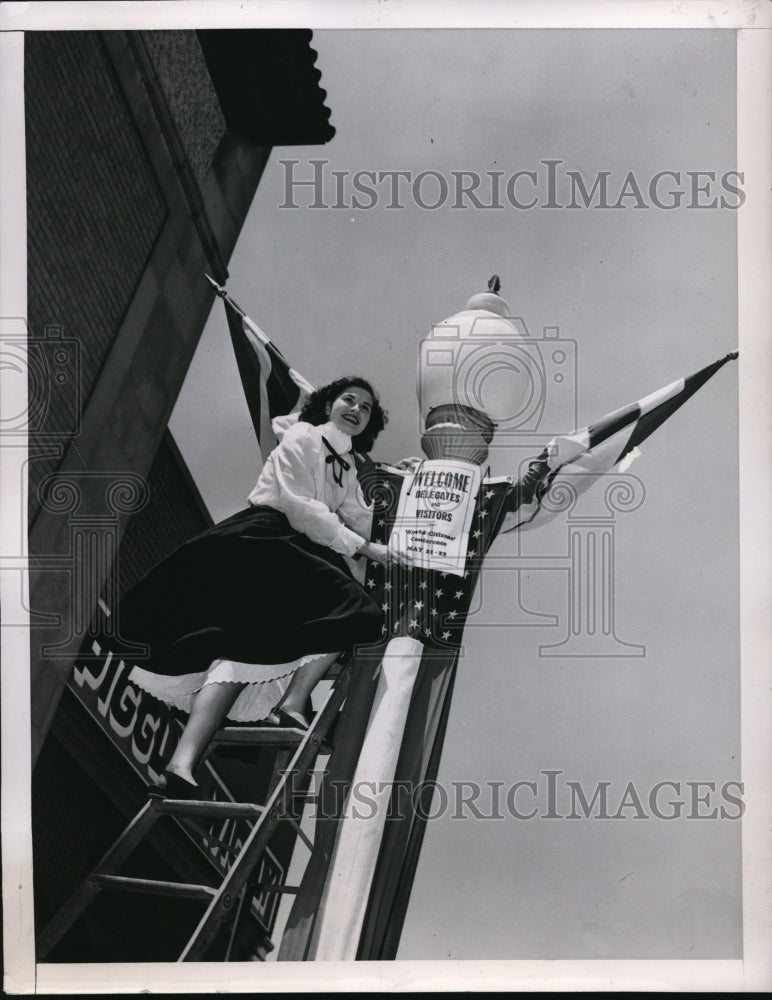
x: 338, y: 463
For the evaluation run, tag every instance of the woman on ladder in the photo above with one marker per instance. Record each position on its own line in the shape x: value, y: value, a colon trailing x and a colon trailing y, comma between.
x: 244, y: 620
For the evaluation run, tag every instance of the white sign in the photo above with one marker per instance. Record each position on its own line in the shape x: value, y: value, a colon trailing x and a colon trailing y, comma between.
x: 434, y: 513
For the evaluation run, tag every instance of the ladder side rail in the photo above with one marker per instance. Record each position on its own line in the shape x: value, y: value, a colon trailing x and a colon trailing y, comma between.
x: 257, y: 841
x: 253, y: 885
x: 245, y: 901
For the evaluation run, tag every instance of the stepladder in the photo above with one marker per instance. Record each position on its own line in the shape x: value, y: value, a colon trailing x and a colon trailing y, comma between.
x: 233, y: 888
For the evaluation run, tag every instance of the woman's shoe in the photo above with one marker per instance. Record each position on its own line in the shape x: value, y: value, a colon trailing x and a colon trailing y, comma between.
x: 174, y: 787
x: 285, y: 721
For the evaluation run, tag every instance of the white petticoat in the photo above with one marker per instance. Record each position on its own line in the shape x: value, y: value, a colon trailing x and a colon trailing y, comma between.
x: 266, y: 683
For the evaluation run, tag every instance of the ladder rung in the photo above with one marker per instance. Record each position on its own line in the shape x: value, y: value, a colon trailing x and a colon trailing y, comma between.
x: 182, y: 890
x: 291, y: 889
x: 257, y: 736
x: 194, y: 807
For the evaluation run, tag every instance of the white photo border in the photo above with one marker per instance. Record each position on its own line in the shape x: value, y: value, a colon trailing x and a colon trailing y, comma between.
x: 752, y: 23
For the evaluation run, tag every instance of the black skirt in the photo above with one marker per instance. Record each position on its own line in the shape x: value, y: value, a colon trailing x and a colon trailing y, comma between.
x: 250, y: 589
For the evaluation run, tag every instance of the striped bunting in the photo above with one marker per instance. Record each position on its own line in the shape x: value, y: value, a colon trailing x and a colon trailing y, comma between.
x: 585, y: 455
x: 271, y: 387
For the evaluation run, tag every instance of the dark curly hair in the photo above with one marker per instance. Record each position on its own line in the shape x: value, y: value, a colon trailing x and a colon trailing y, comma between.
x: 315, y: 409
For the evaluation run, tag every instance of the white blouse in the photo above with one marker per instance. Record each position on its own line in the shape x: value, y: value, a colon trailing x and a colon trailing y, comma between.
x: 298, y: 480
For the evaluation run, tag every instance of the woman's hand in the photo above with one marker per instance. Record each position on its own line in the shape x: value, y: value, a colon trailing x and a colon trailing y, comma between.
x: 384, y: 555
x: 409, y: 464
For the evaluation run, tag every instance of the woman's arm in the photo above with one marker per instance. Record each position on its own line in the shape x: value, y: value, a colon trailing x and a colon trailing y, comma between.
x: 293, y: 461
x: 354, y: 510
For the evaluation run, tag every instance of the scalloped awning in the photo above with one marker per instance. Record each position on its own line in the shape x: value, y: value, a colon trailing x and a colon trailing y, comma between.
x: 268, y: 85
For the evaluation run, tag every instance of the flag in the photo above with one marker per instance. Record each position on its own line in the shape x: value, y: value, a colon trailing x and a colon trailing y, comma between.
x: 270, y: 386
x: 581, y: 457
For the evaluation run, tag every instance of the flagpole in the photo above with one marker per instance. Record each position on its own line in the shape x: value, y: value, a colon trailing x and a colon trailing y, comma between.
x: 222, y: 293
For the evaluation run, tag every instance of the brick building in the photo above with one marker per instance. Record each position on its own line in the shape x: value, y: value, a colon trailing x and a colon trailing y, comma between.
x: 144, y: 151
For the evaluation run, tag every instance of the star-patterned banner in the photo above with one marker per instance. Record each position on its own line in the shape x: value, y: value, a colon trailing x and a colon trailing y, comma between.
x: 429, y: 605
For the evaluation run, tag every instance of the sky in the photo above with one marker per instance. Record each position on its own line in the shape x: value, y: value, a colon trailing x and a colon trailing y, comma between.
x: 647, y: 294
